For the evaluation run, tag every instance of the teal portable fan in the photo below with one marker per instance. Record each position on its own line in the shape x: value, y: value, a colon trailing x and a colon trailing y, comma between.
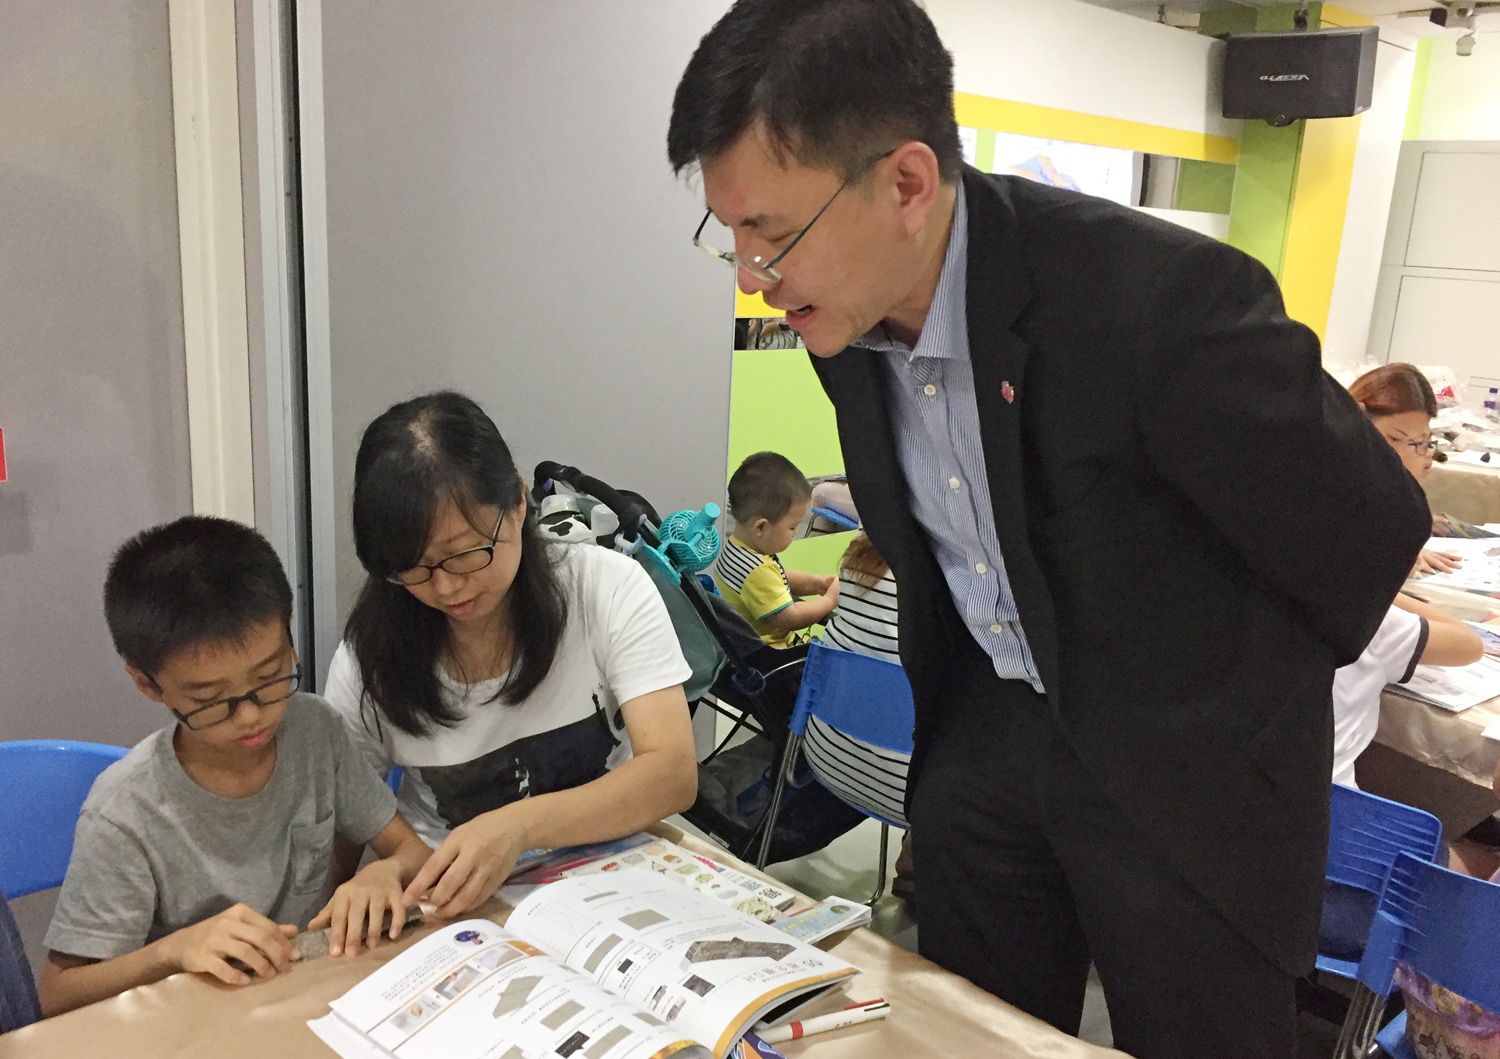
x: 688, y: 541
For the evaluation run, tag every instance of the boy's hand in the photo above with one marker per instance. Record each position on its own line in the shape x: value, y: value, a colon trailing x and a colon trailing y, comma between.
x: 238, y: 933
x: 366, y: 898
x: 472, y: 862
x: 831, y: 591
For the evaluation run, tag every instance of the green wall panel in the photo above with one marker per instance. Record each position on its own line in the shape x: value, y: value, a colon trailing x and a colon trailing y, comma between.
x: 1205, y: 186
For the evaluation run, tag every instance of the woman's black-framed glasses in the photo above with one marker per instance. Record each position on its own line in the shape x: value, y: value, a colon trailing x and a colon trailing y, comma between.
x: 270, y: 693
x: 469, y: 561
x: 763, y: 270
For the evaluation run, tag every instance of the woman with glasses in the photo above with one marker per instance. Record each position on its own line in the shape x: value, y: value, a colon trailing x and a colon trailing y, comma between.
x: 531, y: 692
x: 1400, y: 403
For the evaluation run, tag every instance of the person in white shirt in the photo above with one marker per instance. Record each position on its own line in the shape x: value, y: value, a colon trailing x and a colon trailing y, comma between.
x: 531, y: 692
x: 1400, y: 403
x: 1413, y: 632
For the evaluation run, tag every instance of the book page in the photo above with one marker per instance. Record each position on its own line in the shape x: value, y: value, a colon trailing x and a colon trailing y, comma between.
x: 757, y: 898
x: 1480, y: 571
x: 694, y: 962
x: 1453, y: 688
x: 475, y: 991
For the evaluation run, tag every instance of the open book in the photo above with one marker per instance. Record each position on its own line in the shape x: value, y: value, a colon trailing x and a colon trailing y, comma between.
x: 627, y: 965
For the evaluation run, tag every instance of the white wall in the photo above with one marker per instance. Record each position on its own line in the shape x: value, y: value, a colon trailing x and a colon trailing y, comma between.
x: 1071, y: 55
x: 1462, y: 100
x: 1369, y: 207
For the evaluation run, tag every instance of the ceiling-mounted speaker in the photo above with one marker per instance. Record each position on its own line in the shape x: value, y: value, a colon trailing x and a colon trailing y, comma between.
x: 1281, y: 77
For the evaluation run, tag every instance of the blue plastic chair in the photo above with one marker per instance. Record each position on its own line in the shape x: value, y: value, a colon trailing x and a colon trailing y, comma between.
x: 18, y: 1003
x: 43, y: 783
x: 1366, y: 834
x: 865, y: 698
x: 1446, y: 926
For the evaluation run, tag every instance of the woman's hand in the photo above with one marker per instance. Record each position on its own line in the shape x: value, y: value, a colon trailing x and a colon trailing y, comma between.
x: 367, y: 897
x: 1431, y: 562
x: 472, y: 862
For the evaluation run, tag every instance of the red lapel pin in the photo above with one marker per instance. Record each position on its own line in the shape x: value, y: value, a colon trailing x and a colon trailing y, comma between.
x: 1008, y: 392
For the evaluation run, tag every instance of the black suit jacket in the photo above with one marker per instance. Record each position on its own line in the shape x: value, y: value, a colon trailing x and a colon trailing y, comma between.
x: 1198, y: 525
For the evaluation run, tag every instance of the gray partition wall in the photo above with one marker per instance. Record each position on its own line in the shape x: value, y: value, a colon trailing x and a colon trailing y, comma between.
x: 501, y: 219
x: 93, y: 391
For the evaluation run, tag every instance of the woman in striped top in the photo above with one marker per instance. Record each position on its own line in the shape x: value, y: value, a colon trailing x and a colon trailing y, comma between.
x: 864, y: 621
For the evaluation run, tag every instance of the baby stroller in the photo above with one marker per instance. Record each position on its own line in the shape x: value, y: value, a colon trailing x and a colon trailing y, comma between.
x: 734, y: 673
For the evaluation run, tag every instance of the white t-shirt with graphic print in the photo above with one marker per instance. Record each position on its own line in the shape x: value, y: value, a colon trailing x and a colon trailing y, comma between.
x: 618, y: 644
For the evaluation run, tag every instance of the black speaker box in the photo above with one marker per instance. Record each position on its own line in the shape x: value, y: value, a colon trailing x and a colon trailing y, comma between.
x: 1280, y: 77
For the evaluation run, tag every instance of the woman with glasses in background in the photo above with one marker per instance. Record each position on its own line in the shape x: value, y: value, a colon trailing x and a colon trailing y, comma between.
x: 530, y: 692
x: 1400, y: 403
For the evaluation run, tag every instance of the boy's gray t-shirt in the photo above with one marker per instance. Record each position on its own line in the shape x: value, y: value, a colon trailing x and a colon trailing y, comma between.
x: 154, y: 852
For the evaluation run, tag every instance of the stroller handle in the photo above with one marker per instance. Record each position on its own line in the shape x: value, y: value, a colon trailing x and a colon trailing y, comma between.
x: 631, y: 513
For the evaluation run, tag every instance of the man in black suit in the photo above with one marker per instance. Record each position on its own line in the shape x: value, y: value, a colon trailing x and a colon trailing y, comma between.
x: 1134, y: 524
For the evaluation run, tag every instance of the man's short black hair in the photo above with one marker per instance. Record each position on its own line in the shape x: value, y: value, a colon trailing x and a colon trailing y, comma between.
x: 833, y: 83
x: 766, y: 486
x: 195, y: 581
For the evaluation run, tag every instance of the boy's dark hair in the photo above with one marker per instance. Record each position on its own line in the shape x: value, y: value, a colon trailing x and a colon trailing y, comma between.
x: 195, y: 581
x: 833, y: 83
x: 766, y: 486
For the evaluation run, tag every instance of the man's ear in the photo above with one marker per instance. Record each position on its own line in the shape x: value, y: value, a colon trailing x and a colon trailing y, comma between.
x: 147, y: 686
x: 916, y: 179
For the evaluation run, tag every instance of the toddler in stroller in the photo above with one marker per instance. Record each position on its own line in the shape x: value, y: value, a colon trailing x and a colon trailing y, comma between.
x: 732, y: 674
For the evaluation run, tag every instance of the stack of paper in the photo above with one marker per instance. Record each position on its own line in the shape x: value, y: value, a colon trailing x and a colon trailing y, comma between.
x: 1453, y: 688
x: 1480, y: 571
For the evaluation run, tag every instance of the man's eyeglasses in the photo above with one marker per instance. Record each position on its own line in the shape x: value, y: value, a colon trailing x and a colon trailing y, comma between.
x: 469, y: 561
x: 268, y: 694
x: 759, y: 268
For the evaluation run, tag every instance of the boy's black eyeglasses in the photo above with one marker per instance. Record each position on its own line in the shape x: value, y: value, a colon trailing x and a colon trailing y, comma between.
x: 469, y: 561
x: 765, y: 271
x: 268, y: 694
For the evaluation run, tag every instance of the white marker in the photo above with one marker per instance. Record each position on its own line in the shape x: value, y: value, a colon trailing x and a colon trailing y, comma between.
x: 852, y: 1015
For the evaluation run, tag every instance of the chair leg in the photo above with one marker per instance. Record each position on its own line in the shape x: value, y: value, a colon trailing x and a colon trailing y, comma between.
x: 880, y: 875
x: 783, y: 773
x: 1360, y: 1025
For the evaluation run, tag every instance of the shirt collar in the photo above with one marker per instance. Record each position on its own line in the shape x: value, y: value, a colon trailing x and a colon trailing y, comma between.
x: 945, y: 332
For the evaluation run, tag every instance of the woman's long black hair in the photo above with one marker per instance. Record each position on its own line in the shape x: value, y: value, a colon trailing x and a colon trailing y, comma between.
x: 414, y: 458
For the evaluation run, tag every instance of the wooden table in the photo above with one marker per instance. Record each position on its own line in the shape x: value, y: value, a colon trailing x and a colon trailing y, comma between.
x: 1465, y: 490
x: 934, y: 1013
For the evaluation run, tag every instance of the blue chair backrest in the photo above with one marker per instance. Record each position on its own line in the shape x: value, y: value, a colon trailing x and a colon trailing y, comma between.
x: 1445, y: 925
x: 43, y: 783
x: 1367, y: 832
x: 1365, y: 835
x: 864, y: 697
x: 18, y: 1003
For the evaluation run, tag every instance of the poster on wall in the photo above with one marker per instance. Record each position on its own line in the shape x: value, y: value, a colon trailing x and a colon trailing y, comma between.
x: 1108, y: 172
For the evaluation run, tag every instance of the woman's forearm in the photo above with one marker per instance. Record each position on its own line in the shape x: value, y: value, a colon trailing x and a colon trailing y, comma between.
x: 644, y: 790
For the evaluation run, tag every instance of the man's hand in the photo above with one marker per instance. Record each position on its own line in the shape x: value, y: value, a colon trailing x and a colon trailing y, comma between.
x: 472, y: 862
x: 1431, y: 562
x: 239, y: 933
x: 364, y: 899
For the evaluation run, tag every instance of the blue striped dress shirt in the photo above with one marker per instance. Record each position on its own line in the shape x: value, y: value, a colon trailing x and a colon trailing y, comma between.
x: 936, y: 423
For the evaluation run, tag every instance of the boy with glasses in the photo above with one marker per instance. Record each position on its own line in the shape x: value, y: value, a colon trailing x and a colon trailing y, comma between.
x: 209, y: 845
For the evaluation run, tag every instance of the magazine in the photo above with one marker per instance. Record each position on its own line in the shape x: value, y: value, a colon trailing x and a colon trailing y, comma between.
x: 1454, y: 688
x: 627, y: 965
x: 758, y: 898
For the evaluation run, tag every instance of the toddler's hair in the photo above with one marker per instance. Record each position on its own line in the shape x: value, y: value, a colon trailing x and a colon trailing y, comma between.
x: 766, y: 485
